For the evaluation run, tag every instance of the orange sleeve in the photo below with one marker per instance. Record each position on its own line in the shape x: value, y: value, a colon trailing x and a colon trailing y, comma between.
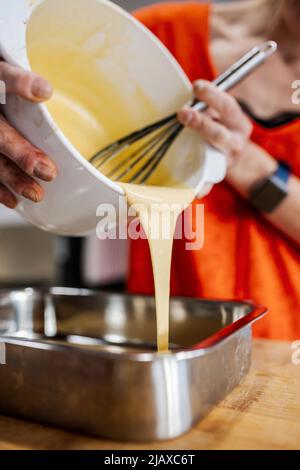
x: 184, y: 30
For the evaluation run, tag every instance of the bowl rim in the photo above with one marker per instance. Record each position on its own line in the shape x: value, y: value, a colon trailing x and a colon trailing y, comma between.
x: 203, y: 348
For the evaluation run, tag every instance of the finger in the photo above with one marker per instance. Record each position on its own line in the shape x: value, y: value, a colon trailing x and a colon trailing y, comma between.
x: 28, y: 85
x: 18, y: 181
x: 29, y: 158
x: 212, y: 131
x: 213, y: 114
x: 229, y: 142
x: 226, y: 105
x: 7, y: 198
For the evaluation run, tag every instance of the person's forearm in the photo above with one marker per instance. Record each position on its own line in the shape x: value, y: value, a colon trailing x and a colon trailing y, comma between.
x: 254, y: 165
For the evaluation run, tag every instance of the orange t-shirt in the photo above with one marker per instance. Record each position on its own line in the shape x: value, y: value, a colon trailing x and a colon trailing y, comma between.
x: 244, y: 256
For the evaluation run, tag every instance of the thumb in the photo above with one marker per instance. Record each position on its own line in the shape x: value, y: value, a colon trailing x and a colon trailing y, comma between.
x: 28, y: 85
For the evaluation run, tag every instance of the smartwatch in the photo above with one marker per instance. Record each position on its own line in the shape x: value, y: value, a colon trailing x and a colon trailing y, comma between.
x: 267, y: 194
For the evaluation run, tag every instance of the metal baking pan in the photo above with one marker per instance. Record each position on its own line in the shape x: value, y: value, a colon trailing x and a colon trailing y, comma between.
x: 86, y: 361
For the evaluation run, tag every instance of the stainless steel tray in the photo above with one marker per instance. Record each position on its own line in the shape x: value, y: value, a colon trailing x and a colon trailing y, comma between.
x: 86, y: 361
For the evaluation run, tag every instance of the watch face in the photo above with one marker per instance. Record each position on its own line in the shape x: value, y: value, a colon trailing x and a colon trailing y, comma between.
x: 267, y: 195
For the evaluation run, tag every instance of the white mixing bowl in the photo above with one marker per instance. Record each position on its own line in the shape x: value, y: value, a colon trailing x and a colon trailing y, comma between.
x: 71, y: 201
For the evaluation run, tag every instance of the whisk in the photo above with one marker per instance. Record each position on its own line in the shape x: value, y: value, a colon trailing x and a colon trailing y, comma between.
x: 145, y: 148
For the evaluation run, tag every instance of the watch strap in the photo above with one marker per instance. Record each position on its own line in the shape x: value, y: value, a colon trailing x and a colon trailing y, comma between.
x: 283, y: 172
x: 267, y: 194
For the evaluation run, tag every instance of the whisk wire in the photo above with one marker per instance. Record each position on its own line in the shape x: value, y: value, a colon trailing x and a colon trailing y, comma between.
x: 159, y: 155
x: 138, y: 155
x: 121, y: 144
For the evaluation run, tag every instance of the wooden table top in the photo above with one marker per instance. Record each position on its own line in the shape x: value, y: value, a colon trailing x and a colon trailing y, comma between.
x: 262, y: 413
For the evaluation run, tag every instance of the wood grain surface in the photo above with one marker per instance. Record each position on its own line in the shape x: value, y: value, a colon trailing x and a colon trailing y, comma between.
x: 262, y: 413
